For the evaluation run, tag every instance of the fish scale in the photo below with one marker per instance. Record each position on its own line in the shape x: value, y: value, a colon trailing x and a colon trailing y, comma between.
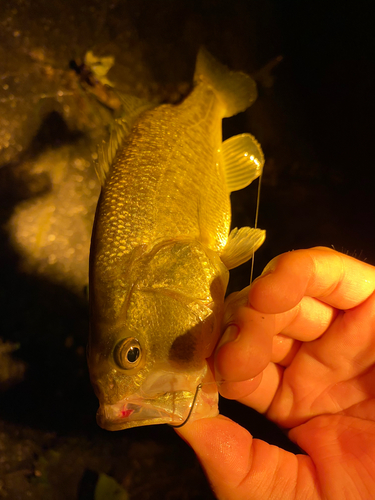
x: 164, y: 169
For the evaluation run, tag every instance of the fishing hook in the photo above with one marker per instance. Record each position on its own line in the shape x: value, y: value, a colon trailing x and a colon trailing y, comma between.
x: 199, y: 386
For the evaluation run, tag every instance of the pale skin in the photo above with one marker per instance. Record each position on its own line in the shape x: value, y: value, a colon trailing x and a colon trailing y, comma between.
x: 301, y: 351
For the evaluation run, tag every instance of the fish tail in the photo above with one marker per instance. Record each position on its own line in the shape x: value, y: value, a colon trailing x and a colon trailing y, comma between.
x: 235, y: 90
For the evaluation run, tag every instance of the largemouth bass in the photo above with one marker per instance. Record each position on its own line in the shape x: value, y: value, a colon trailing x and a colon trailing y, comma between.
x: 162, y: 247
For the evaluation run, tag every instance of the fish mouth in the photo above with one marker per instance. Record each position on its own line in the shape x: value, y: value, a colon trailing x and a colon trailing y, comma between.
x: 172, y: 407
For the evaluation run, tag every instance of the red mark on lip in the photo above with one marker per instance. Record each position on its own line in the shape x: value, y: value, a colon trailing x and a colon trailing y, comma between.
x: 126, y: 413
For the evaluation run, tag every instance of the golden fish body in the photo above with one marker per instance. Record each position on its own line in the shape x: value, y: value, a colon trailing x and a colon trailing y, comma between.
x: 161, y: 251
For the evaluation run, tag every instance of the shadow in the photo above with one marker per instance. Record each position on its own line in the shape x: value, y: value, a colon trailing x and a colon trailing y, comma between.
x: 48, y: 322
x: 87, y: 485
x: 17, y: 183
x: 53, y: 133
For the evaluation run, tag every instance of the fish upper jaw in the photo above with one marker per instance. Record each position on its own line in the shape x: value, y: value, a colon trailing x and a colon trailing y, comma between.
x: 170, y: 402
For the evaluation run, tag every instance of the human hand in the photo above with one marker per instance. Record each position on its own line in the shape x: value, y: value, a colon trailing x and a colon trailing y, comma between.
x: 305, y: 357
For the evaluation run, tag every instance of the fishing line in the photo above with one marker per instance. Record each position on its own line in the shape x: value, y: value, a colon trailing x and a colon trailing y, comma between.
x: 199, y: 386
x: 256, y: 224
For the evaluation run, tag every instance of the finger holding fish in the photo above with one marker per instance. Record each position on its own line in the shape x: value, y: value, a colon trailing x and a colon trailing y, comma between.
x: 330, y: 277
x: 256, y: 347
x: 302, y: 337
x: 258, y: 392
x: 252, y: 339
x: 246, y: 346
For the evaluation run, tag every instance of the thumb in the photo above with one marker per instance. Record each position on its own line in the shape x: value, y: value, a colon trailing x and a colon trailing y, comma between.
x: 224, y: 450
x: 238, y: 466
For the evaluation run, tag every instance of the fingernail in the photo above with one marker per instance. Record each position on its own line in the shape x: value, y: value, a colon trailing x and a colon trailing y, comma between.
x: 230, y: 335
x: 267, y: 270
x: 265, y: 273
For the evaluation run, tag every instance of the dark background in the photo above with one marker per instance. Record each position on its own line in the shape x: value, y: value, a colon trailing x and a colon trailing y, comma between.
x: 315, y: 122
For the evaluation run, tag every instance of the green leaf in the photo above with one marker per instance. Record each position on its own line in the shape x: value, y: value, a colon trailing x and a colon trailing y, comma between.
x: 108, y: 488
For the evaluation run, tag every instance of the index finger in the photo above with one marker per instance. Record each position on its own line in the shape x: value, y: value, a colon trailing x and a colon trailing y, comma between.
x: 325, y: 274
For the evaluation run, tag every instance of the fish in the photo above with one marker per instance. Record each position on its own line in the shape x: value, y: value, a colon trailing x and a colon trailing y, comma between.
x: 162, y: 248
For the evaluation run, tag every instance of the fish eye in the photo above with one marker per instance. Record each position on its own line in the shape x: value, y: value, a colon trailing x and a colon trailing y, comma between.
x: 133, y: 354
x: 128, y: 353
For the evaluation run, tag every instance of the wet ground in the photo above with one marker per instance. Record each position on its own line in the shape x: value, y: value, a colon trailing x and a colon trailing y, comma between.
x: 315, y: 120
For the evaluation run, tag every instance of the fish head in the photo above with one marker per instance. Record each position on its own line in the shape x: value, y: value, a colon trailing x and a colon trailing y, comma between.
x: 149, y: 363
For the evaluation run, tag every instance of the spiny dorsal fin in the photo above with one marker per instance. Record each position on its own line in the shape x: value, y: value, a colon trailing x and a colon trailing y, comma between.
x: 243, y: 160
x: 132, y: 108
x: 241, y: 246
x: 107, y: 151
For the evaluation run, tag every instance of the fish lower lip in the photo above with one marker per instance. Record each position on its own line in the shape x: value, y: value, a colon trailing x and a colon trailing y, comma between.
x: 172, y: 408
x: 130, y: 415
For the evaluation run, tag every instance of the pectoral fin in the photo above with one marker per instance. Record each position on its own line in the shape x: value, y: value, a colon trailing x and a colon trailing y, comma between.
x: 241, y: 246
x: 243, y: 160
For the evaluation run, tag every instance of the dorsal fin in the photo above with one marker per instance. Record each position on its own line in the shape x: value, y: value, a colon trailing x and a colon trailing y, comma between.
x: 132, y: 108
